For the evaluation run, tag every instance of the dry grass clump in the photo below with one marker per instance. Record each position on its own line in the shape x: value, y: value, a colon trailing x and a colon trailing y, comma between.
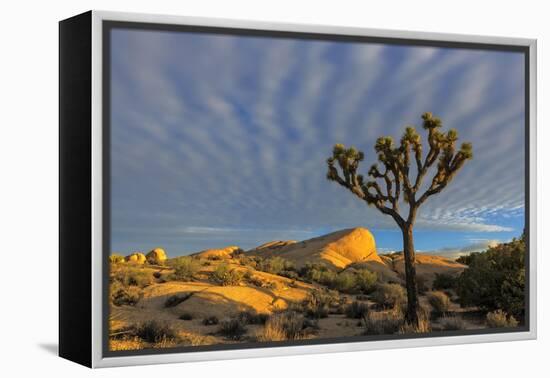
x: 287, y: 325
x: 155, y: 332
x: 318, y: 303
x: 500, y: 319
x: 383, y: 323
x: 356, y: 310
x: 232, y: 329
x: 132, y: 276
x: 120, y: 295
x: 252, y: 317
x: 389, y: 295
x: 423, y: 326
x: 452, y: 323
x: 439, y: 301
x: 126, y: 343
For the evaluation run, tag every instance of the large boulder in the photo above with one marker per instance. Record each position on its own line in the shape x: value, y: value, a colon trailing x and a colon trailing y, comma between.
x: 156, y: 256
x: 136, y: 258
x: 219, y: 253
x: 338, y: 249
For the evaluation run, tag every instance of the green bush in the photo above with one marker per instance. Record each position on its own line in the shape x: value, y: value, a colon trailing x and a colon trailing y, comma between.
x: 444, y: 281
x: 357, y: 310
x: 499, y: 319
x: 312, y: 272
x: 383, y: 323
x: 211, y: 320
x: 232, y: 329
x: 366, y: 280
x: 276, y: 265
x: 185, y: 268
x: 389, y: 295
x: 344, y: 282
x: 439, y: 301
x: 225, y: 276
x: 495, y: 279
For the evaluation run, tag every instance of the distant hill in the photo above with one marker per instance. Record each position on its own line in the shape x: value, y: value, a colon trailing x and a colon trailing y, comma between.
x: 354, y: 248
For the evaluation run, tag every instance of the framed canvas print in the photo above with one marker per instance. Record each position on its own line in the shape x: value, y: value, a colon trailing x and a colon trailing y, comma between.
x: 235, y: 189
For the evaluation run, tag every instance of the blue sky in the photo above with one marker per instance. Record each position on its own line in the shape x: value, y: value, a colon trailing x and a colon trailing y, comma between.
x: 222, y: 140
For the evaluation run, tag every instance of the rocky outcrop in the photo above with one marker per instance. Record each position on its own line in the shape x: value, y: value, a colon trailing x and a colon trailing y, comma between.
x: 136, y: 258
x: 156, y: 256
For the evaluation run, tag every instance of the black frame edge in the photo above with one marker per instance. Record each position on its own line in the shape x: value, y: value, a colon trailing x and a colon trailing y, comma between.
x: 75, y: 194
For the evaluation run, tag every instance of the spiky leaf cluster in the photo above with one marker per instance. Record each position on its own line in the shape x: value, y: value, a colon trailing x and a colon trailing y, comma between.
x: 393, y: 170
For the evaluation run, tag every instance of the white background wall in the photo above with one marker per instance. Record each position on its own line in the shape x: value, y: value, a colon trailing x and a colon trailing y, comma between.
x: 28, y: 185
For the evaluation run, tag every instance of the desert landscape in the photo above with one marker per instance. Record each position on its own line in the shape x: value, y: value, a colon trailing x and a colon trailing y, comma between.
x: 335, y: 285
x: 274, y: 190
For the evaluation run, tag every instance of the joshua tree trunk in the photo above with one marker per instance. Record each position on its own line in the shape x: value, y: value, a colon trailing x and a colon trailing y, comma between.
x: 410, y: 274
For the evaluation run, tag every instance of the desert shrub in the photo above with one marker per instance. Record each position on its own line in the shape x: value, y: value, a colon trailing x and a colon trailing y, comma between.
x: 211, y: 320
x: 366, y: 280
x: 495, y: 279
x: 133, y: 277
x: 155, y: 332
x: 249, y: 261
x: 252, y: 317
x: 186, y: 316
x: 499, y: 319
x: 344, y: 282
x: 276, y: 265
x: 452, y: 323
x: 293, y: 275
x: 185, y: 268
x: 389, y: 295
x: 225, y: 276
x: 444, y: 281
x: 356, y: 310
x: 124, y: 296
x: 383, y: 323
x: 423, y: 326
x: 175, y: 300
x: 116, y: 258
x: 317, y: 304
x: 421, y: 284
x: 467, y: 259
x: 232, y: 329
x: 439, y: 301
x: 312, y: 272
x: 285, y: 326
x: 157, y: 275
x: 247, y: 275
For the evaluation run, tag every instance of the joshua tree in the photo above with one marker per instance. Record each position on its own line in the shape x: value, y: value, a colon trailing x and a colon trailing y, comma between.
x: 399, y: 179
